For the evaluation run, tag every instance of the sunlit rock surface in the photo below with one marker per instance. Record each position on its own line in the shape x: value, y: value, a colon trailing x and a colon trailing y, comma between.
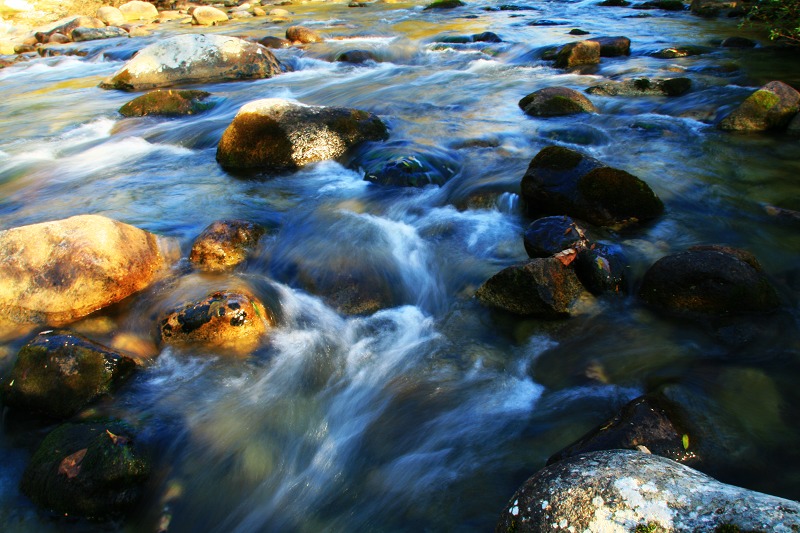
x: 620, y: 491
x: 55, y: 272
x: 278, y: 134
x: 192, y: 59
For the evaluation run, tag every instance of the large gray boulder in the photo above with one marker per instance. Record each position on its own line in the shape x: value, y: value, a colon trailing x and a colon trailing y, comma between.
x: 642, y: 87
x: 560, y: 181
x: 771, y: 107
x: 625, y: 491
x: 56, y: 272
x: 274, y: 134
x: 194, y: 58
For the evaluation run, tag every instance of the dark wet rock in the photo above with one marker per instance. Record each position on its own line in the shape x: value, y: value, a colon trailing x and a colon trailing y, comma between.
x: 738, y: 42
x: 642, y: 422
x: 548, y: 22
x: 773, y: 106
x: 602, y: 268
x: 708, y: 282
x: 712, y: 8
x: 613, y: 46
x: 356, y: 57
x: 403, y: 164
x: 677, y: 52
x: 578, y: 53
x: 548, y: 236
x: 192, y: 58
x: 556, y: 101
x: 91, y: 469
x: 208, y: 16
x: 275, y: 134
x: 233, y: 322
x: 167, y: 103
x: 224, y: 244
x: 623, y: 490
x: 58, y: 373
x: 542, y: 288
x: 781, y: 213
x: 66, y: 27
x: 578, y: 31
x: 560, y: 181
x: 666, y: 5
x: 582, y: 134
x: 274, y: 42
x: 485, y: 37
x: 303, y: 35
x: 794, y: 126
x: 444, y: 4
x: 55, y: 272
x: 614, y: 3
x: 642, y: 87
x: 91, y: 34
x: 510, y: 7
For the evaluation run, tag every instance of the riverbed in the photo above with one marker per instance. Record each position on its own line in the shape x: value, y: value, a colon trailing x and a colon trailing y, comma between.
x: 426, y: 415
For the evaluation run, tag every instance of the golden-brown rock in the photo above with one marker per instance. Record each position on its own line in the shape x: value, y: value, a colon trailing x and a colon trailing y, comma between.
x: 224, y: 244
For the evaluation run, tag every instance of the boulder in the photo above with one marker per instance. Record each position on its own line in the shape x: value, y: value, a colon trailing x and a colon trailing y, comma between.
x: 111, y: 16
x: 578, y: 53
x: 233, y: 322
x: 556, y: 101
x: 613, y: 46
x: 485, y: 37
x: 771, y: 107
x: 404, y: 164
x: 677, y: 52
x: 708, y: 282
x: 642, y: 87
x: 138, y: 10
x: 241, y: 14
x: 208, y: 16
x: 356, y: 57
x: 91, y: 469
x: 66, y: 26
x: 666, y: 5
x: 623, y: 490
x: 560, y: 181
x: 92, y: 34
x: 275, y: 134
x: 274, y: 42
x: 548, y: 236
x: 542, y: 288
x: 58, y: 373
x: 641, y: 424
x: 194, y: 58
x: 168, y: 103
x: 303, y: 35
x: 55, y: 272
x: 602, y: 268
x: 444, y: 4
x: 712, y: 8
x: 225, y: 244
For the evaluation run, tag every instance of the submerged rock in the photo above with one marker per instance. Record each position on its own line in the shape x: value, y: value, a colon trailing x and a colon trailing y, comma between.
x: 556, y: 101
x: 542, y: 287
x: 560, y: 181
x: 167, y: 103
x: 274, y: 42
x: 642, y: 87
x: 738, y: 42
x: 91, y: 469
x: 771, y: 107
x: 403, y: 164
x: 444, y: 4
x: 550, y: 235
x: 55, y: 272
x: 208, y: 16
x: 680, y: 51
x: 578, y: 53
x: 303, y: 35
x: 708, y: 282
x: 712, y: 8
x: 356, y: 57
x: 602, y: 268
x: 234, y: 322
x: 621, y: 490
x: 642, y: 423
x: 194, y: 58
x: 58, y: 373
x: 275, y: 134
x: 225, y: 244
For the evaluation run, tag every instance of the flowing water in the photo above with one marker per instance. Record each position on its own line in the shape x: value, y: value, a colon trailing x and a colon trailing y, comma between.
x: 425, y: 416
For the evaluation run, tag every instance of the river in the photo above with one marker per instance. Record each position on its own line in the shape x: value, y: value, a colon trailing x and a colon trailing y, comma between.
x: 425, y: 416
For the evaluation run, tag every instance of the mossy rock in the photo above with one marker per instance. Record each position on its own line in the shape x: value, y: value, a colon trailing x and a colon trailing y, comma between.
x: 556, y: 101
x: 58, y: 373
x: 445, y: 4
x: 405, y: 164
x: 167, y: 103
x: 771, y: 107
x: 91, y: 469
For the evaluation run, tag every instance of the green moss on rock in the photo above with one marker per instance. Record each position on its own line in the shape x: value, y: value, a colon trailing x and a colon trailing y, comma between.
x: 167, y: 103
